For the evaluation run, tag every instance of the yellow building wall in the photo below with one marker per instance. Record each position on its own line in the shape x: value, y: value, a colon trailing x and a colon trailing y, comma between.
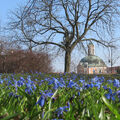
x: 97, y: 70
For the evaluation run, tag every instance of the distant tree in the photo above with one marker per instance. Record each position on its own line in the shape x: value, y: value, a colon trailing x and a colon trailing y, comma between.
x: 24, y: 61
x: 42, y: 21
x: 112, y: 57
x: 39, y: 62
x: 118, y: 70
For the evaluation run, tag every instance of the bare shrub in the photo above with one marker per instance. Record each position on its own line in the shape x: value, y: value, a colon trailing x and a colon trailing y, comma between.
x: 14, y: 61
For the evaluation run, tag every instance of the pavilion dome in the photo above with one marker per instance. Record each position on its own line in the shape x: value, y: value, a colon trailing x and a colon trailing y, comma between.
x: 92, y: 61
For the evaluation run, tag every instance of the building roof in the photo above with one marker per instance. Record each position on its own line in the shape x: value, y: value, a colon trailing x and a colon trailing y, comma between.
x: 90, y: 44
x: 92, y: 61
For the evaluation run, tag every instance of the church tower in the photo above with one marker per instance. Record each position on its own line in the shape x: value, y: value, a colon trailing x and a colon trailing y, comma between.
x: 91, y: 49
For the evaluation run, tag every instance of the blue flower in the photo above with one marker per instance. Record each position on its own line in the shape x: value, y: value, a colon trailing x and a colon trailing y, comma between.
x: 1, y: 81
x: 78, y: 93
x: 91, y: 85
x: 118, y: 94
x: 9, y: 83
x: 62, y: 81
x: 71, y: 84
x: 95, y: 79
x: 28, y: 90
x: 48, y: 94
x: 20, y: 83
x: 105, y: 87
x: 11, y: 94
x: 81, y: 81
x: 116, y: 83
x: 34, y: 87
x: 110, y: 95
x: 53, y: 99
x: 56, y: 83
x: 30, y: 86
x: 43, y: 114
x: 98, y: 84
x: 110, y: 81
x: 29, y: 78
x: 87, y: 86
x: 68, y: 105
x: 22, y: 79
x: 15, y: 85
x: 60, y: 110
x: 41, y: 101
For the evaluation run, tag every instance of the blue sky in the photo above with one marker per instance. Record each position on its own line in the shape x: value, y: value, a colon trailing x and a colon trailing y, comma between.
x: 5, y: 7
x: 10, y: 5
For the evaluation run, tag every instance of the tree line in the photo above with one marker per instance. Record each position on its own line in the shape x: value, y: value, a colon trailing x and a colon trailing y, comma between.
x: 24, y: 61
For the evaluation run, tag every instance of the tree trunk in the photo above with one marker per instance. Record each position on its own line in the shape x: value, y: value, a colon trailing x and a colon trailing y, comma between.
x: 67, y: 61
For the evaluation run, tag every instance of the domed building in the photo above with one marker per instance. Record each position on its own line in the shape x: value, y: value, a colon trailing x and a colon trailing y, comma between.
x: 91, y: 64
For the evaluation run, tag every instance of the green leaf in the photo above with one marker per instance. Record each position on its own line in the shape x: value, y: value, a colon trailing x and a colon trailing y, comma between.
x: 111, y: 107
x: 102, y: 113
x: 47, y: 114
x: 11, y: 116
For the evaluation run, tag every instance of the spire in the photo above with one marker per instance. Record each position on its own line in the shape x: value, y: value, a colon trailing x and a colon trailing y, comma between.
x: 90, y: 49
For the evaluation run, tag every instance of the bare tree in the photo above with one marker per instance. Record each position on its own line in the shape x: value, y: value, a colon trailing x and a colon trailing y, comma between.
x: 112, y: 57
x: 65, y: 23
x: 73, y: 67
x: 17, y: 61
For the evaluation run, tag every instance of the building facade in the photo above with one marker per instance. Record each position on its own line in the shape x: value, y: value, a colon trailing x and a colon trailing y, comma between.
x: 113, y: 70
x: 91, y: 64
